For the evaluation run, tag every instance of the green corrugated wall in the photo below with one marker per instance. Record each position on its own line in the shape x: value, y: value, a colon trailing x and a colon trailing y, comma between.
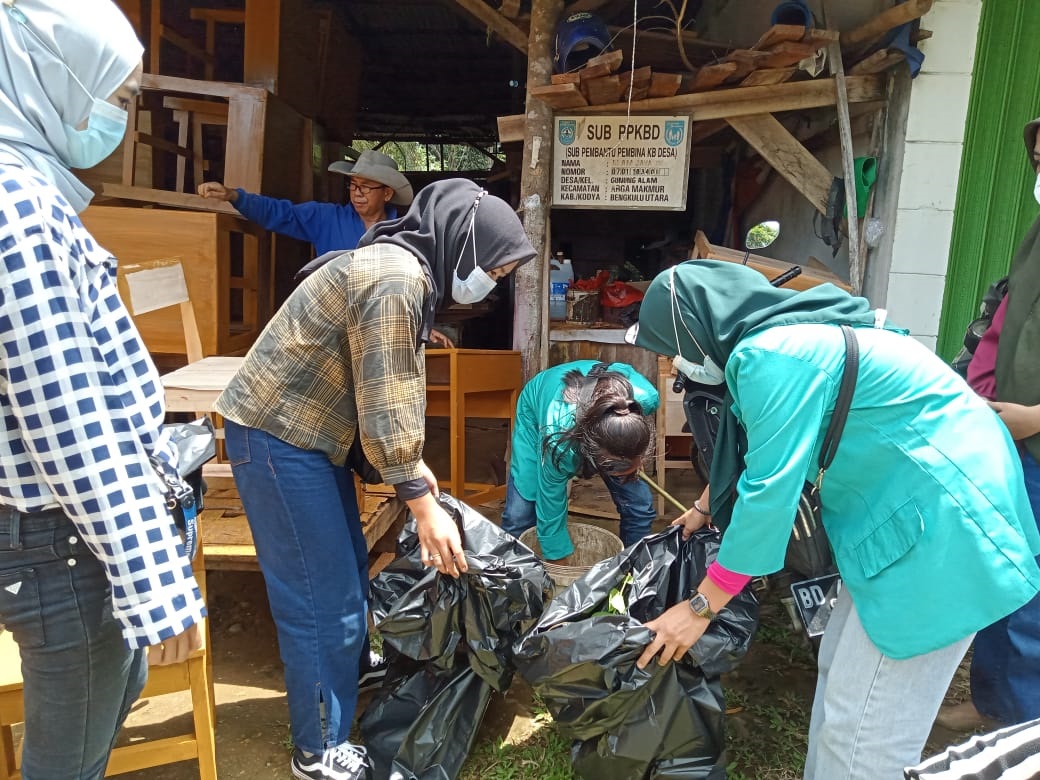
x: 995, y: 203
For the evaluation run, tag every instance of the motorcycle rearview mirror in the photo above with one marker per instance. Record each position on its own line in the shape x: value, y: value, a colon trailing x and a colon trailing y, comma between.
x: 760, y: 236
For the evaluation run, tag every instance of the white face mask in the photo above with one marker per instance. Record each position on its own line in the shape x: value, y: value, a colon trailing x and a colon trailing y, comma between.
x: 478, y: 285
x: 1036, y: 189
x: 705, y: 373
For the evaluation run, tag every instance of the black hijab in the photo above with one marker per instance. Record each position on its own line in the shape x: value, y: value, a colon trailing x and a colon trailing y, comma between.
x: 436, y: 229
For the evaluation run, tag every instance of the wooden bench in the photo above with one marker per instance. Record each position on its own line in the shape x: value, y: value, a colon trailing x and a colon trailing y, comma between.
x: 229, y: 543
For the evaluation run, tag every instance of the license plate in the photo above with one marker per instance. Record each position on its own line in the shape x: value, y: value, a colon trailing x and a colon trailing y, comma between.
x: 815, y: 599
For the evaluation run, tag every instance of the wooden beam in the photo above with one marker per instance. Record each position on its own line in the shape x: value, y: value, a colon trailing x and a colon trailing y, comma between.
x: 847, y: 166
x: 495, y: 22
x: 510, y: 8
x: 530, y: 313
x: 744, y: 101
x: 664, y: 84
x: 787, y: 156
x: 886, y: 20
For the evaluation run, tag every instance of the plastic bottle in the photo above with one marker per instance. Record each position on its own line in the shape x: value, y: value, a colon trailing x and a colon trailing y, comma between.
x: 561, y: 274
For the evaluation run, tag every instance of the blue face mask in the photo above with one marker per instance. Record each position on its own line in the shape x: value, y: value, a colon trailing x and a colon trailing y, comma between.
x: 105, y: 129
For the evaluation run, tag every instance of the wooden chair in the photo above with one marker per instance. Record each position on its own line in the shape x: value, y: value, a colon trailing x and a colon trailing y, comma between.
x: 193, y: 116
x: 194, y: 675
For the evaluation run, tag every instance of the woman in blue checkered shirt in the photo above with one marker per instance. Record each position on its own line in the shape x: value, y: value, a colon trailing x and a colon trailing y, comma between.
x: 92, y: 569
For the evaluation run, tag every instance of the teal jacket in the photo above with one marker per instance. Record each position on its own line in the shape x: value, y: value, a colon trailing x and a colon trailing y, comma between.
x: 540, y: 411
x: 924, y: 504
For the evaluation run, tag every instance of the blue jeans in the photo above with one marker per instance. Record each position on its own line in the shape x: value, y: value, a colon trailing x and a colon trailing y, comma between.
x: 1005, y: 666
x: 872, y: 714
x: 303, y: 513
x: 632, y: 498
x: 80, y: 677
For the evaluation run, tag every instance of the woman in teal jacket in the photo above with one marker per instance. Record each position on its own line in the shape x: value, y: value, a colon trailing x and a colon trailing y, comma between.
x: 576, y: 419
x: 924, y: 503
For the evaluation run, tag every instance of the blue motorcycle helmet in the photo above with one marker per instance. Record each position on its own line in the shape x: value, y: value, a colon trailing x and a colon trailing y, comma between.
x: 579, y: 38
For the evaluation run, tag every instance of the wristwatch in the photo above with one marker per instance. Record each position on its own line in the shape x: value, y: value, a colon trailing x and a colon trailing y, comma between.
x: 699, y: 604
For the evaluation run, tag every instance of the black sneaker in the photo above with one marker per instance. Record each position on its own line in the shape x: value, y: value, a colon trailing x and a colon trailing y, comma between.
x: 343, y: 762
x: 372, y: 672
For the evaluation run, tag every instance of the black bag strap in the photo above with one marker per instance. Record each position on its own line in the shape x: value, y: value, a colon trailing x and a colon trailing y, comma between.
x: 842, y: 405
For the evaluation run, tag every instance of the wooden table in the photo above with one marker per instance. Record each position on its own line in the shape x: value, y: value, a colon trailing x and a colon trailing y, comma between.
x: 462, y: 383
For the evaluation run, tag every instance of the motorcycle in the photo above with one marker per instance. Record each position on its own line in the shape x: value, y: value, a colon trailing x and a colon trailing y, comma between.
x: 809, y: 570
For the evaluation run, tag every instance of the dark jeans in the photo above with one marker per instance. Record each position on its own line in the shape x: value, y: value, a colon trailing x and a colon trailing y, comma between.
x: 80, y: 677
x: 632, y: 498
x: 303, y: 513
x: 1005, y: 666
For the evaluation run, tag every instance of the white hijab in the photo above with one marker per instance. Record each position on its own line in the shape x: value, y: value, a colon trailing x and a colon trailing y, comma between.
x: 38, y: 95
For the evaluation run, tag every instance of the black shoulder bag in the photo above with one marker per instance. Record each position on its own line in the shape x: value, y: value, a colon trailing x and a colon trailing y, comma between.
x: 809, y: 553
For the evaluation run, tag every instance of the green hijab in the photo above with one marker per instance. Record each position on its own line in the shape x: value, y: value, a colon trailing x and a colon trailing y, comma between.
x: 717, y: 304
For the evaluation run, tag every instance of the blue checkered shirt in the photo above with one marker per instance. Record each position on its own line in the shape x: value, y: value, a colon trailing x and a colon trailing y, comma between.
x: 83, y: 406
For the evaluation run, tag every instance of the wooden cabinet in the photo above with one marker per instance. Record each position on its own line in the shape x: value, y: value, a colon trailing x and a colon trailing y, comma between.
x: 226, y: 262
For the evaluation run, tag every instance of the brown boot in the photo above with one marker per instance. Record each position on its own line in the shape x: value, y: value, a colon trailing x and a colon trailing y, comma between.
x: 964, y: 717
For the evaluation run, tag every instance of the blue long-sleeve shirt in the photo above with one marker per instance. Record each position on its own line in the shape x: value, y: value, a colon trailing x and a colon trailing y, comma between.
x: 329, y: 226
x: 82, y: 408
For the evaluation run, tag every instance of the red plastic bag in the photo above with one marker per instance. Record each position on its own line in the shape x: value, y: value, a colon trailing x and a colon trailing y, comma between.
x: 618, y: 294
x: 598, y: 282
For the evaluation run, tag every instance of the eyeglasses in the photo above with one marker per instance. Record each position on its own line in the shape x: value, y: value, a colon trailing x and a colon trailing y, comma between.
x: 365, y: 189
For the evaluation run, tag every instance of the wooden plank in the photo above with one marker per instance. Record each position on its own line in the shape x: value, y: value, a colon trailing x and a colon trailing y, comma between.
x: 743, y: 101
x: 511, y: 128
x: 559, y: 95
x: 886, y: 20
x: 567, y: 78
x: 494, y: 21
x: 605, y: 89
x: 780, y: 33
x: 510, y: 9
x: 787, y: 156
x: 664, y: 84
x: 601, y: 65
x: 767, y: 76
x: 788, y: 53
x: 877, y: 62
x: 181, y: 200
x: 708, y: 77
x: 639, y: 79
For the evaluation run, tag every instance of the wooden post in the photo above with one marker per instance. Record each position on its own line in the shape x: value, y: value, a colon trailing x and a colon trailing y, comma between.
x: 847, y: 167
x: 530, y: 321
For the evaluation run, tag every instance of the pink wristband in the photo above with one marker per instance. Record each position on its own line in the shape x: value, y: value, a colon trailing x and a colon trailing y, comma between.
x: 727, y: 581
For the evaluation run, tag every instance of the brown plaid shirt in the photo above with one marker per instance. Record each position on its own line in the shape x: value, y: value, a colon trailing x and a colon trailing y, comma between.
x: 341, y: 353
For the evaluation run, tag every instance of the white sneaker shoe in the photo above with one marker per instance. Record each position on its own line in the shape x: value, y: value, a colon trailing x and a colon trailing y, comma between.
x: 343, y: 762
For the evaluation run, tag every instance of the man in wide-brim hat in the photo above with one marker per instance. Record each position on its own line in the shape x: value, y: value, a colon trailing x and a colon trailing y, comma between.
x: 376, y: 188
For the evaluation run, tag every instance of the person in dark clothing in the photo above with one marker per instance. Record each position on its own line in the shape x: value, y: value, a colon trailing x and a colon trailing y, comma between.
x: 1005, y: 370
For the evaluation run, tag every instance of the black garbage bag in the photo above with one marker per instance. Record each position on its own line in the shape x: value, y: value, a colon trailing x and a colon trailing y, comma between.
x: 449, y: 643
x: 424, y: 722
x: 627, y: 723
